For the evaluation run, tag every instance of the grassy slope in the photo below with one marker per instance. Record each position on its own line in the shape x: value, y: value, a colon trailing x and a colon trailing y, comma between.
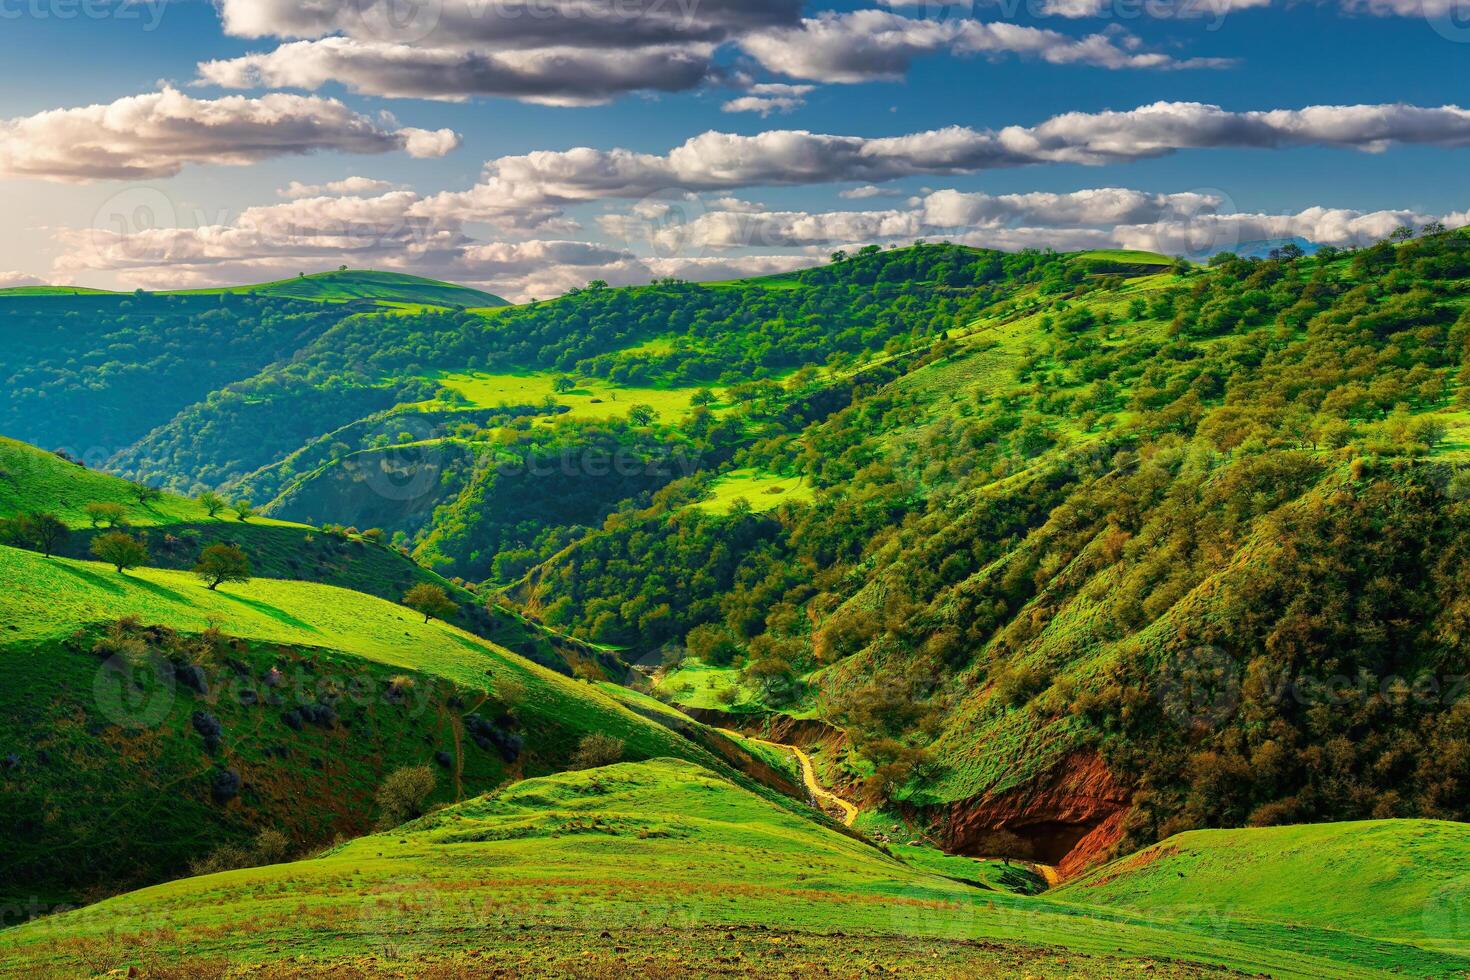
x: 47, y: 599
x: 637, y: 850
x: 1402, y: 878
x: 178, y: 529
x: 325, y: 287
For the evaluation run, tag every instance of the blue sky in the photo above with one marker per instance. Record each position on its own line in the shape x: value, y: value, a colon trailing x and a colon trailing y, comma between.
x: 1281, y: 57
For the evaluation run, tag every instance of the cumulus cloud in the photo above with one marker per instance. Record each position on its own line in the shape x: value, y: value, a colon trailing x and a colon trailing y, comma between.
x: 875, y: 44
x: 509, y: 23
x: 770, y: 97
x: 555, y: 52
x: 156, y: 135
x: 719, y: 239
x: 355, y: 186
x: 715, y: 161
x: 867, y: 192
x: 10, y: 280
x: 563, y: 76
x: 584, y: 52
x: 1188, y: 223
x: 673, y: 228
x: 1210, y: 233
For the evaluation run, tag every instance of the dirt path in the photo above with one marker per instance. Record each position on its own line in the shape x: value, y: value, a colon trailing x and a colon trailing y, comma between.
x: 809, y: 777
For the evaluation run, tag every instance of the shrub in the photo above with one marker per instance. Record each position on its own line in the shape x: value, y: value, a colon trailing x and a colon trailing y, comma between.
x: 596, y: 751
x: 122, y: 551
x: 404, y: 795
x: 113, y: 515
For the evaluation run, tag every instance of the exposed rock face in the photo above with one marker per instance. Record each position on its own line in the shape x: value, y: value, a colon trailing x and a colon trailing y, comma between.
x: 1071, y: 819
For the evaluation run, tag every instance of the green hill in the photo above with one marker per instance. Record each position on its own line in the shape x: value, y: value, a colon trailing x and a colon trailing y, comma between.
x: 387, y: 288
x: 176, y: 530
x: 108, y: 677
x: 1403, y: 879
x: 630, y: 867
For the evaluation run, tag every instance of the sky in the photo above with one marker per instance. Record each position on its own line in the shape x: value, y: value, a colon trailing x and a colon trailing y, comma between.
x: 529, y: 146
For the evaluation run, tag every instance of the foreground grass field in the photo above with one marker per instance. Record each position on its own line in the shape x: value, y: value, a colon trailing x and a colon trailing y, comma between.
x: 659, y: 868
x: 1405, y: 879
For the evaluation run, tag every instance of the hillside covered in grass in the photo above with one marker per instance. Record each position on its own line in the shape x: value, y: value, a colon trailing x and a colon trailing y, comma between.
x: 147, y: 720
x: 664, y: 869
x: 1405, y: 878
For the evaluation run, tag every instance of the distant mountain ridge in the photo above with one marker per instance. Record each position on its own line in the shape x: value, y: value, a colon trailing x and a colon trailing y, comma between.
x: 342, y: 286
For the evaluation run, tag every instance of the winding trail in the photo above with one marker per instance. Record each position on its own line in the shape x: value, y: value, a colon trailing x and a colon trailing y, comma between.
x: 809, y: 777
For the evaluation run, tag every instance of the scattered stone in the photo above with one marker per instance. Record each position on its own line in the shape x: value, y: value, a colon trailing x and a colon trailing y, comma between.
x: 226, y: 786
x: 192, y: 676
x: 209, y: 727
x: 444, y: 759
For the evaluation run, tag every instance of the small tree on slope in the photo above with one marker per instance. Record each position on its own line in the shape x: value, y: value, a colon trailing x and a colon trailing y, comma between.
x: 430, y: 601
x: 221, y: 563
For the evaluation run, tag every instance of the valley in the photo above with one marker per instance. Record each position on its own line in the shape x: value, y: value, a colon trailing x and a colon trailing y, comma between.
x: 936, y: 611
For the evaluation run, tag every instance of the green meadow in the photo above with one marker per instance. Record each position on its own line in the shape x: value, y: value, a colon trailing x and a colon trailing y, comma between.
x: 631, y: 852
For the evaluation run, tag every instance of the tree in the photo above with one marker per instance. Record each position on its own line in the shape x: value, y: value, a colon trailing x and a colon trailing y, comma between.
x: 403, y: 795
x: 212, y: 503
x: 122, y: 551
x: 220, y: 563
x: 641, y: 415
x: 712, y: 644
x: 430, y: 601
x: 45, y: 531
x: 112, y: 515
x: 563, y: 384
x: 244, y: 509
x: 597, y: 750
x: 702, y: 397
x: 145, y: 493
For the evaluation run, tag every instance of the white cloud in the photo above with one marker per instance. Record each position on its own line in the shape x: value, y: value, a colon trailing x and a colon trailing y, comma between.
x: 156, y: 135
x: 354, y: 186
x: 874, y: 44
x: 506, y: 24
x: 10, y: 280
x: 385, y: 232
x: 770, y: 97
x: 561, y: 76
x: 867, y: 192
x: 717, y: 161
x: 1187, y: 223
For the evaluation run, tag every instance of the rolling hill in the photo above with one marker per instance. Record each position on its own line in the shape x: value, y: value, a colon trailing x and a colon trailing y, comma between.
x: 345, y: 286
x: 628, y: 868
x: 134, y: 698
x: 1405, y: 878
x: 1049, y: 557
